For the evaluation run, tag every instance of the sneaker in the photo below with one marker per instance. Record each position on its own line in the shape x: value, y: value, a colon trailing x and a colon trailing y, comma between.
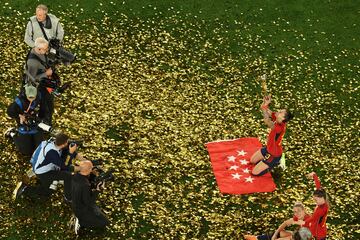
x: 19, y: 190
x: 250, y: 237
x: 71, y: 222
x: 67, y: 200
x: 10, y: 132
x: 76, y: 226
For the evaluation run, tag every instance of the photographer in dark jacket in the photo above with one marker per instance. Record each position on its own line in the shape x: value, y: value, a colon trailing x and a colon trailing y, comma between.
x: 28, y: 111
x: 88, y: 215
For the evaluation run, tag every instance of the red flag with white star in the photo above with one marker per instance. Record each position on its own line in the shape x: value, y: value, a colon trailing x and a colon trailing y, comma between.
x: 232, y: 168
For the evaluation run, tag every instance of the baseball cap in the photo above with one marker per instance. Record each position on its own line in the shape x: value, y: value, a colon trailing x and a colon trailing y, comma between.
x: 30, y: 91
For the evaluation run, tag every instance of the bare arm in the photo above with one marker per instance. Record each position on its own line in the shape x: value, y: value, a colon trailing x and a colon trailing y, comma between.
x: 313, y: 175
x: 268, y: 121
x: 288, y: 222
x: 267, y: 112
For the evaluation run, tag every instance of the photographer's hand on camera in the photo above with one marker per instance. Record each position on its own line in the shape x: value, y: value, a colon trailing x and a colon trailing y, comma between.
x: 22, y: 119
x: 100, y: 186
x: 74, y: 159
x: 72, y: 148
x: 49, y: 72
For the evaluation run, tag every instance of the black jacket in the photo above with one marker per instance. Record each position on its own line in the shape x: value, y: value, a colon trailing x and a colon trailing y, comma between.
x: 83, y: 198
x: 14, y: 109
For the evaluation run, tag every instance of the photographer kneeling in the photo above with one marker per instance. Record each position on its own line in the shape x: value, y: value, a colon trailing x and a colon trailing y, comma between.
x: 88, y: 214
x: 49, y: 164
x: 28, y: 112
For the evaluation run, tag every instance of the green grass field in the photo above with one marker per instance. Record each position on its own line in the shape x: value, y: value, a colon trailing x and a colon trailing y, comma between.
x: 156, y: 80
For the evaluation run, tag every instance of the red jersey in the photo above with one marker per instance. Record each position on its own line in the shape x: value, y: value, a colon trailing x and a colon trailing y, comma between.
x: 275, y: 137
x: 317, y: 222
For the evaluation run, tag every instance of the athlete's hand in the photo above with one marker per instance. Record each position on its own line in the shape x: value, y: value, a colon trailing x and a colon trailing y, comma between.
x: 310, y: 175
x: 267, y: 100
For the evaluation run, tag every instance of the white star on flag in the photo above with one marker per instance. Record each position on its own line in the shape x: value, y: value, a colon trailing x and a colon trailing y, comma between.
x: 236, y: 176
x: 241, y: 153
x: 246, y: 170
x: 249, y: 179
x: 234, y: 167
x: 244, y: 162
x: 231, y: 159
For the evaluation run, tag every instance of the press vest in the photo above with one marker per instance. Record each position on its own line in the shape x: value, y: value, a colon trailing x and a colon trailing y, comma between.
x: 39, y: 155
x: 50, y: 33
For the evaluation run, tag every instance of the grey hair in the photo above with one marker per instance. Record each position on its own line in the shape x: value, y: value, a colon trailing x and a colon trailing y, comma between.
x: 43, y: 7
x: 40, y: 42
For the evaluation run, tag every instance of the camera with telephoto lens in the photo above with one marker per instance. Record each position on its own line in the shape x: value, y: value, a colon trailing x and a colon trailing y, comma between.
x: 58, y: 54
x: 45, y: 127
x: 99, y: 175
x: 54, y: 83
x: 33, y: 121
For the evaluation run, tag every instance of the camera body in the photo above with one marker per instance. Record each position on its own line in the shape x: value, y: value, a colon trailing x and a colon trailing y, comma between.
x: 99, y: 175
x: 31, y: 123
x: 31, y: 119
x: 73, y: 142
x: 58, y: 54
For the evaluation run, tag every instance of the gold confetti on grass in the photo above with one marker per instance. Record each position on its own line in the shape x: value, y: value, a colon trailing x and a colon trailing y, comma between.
x: 146, y: 98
